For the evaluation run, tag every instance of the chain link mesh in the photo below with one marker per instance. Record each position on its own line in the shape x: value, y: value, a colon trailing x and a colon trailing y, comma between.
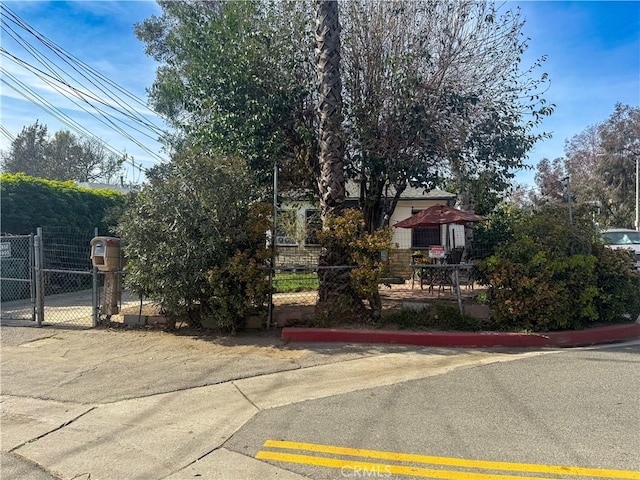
x: 16, y: 270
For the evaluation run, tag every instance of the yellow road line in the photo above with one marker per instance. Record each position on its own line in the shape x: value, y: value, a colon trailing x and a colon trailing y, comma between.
x: 454, y: 462
x: 380, y: 469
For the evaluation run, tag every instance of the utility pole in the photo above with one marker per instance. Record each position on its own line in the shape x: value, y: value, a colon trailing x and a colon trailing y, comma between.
x: 638, y: 191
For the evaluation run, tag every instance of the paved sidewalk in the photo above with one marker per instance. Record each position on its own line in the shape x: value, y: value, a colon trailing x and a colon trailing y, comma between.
x: 127, y: 404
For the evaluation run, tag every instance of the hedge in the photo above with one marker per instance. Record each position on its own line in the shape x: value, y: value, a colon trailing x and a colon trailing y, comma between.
x: 29, y: 202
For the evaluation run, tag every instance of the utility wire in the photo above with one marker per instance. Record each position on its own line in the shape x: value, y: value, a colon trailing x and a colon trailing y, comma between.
x: 48, y: 107
x: 71, y: 60
x: 7, y: 134
x: 63, y: 86
x: 45, y: 105
x: 79, y: 94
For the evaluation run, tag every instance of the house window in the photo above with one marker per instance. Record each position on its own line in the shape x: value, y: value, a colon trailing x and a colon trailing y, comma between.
x: 313, y: 224
x: 424, y: 237
x: 287, y: 228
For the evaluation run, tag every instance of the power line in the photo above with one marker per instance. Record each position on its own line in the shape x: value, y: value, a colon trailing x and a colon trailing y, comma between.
x: 7, y: 133
x: 62, y: 81
x: 78, y: 93
x: 106, y: 120
x: 33, y: 97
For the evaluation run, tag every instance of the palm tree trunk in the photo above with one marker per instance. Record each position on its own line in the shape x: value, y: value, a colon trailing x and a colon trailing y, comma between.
x: 331, y: 181
x: 336, y: 296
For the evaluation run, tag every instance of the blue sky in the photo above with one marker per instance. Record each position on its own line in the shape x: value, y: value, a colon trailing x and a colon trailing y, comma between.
x: 593, y: 51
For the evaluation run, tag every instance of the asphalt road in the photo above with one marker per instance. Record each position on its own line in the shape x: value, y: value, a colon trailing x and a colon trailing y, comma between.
x: 574, y: 408
x: 117, y: 404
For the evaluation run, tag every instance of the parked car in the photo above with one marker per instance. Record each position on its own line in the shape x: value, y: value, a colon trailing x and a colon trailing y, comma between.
x: 623, y: 238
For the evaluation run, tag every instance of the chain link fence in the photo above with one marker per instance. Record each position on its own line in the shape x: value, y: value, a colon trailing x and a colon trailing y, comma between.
x: 49, y: 279
x: 16, y: 277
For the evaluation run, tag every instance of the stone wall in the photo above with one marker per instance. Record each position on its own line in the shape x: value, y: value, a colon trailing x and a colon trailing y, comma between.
x: 399, y: 261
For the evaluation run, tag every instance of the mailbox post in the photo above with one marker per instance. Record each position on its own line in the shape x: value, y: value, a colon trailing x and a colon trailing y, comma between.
x: 106, y: 256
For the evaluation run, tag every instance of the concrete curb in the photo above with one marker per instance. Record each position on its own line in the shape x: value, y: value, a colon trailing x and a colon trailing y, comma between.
x: 578, y: 338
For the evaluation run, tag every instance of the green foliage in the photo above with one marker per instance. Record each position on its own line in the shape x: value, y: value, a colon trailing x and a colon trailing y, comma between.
x: 195, y: 241
x: 497, y: 229
x: 60, y: 157
x: 439, y: 316
x: 235, y: 79
x: 618, y: 285
x: 28, y: 203
x: 348, y: 233
x: 239, y: 78
x: 554, y: 275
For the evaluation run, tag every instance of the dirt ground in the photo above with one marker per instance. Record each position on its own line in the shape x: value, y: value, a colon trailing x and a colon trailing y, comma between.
x: 294, y: 308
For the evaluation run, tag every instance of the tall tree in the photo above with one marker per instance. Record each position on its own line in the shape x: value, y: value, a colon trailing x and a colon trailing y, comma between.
x: 336, y: 295
x: 237, y: 78
x: 601, y: 161
x: 551, y: 180
x: 437, y: 90
x: 331, y: 152
x: 432, y: 90
x: 61, y: 157
x: 27, y: 153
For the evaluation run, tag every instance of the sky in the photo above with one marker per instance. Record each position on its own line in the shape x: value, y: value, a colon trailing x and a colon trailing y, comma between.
x: 592, y: 49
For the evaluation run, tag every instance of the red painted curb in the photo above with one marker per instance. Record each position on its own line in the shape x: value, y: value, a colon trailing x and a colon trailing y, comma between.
x: 591, y: 336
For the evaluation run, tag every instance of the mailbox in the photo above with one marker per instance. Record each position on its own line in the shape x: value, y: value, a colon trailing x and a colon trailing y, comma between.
x: 106, y: 254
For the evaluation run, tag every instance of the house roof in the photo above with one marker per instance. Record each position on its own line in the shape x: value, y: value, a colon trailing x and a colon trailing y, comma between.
x: 410, y: 193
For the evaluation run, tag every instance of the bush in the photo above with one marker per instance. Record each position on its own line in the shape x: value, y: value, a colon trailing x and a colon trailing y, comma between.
x: 618, y: 285
x: 363, y: 250
x: 439, y: 316
x: 29, y: 202
x: 555, y: 275
x: 195, y: 241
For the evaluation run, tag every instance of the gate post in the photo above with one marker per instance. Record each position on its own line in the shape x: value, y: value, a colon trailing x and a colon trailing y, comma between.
x: 32, y: 276
x: 95, y: 301
x: 95, y: 316
x: 39, y: 300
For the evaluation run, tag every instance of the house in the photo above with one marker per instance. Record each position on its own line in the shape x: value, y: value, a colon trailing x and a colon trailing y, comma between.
x: 298, y: 220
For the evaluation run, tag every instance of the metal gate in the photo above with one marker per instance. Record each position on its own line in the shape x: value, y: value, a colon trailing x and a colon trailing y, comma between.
x: 66, y: 283
x: 17, y: 282
x: 48, y: 279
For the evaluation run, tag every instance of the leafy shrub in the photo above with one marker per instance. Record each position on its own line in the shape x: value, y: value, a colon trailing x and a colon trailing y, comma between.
x: 618, y: 285
x: 497, y: 229
x: 439, y: 316
x: 557, y: 275
x: 347, y: 233
x: 195, y: 241
x: 30, y: 202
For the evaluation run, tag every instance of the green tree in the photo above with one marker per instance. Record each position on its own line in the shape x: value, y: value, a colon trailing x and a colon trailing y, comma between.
x: 436, y: 91
x: 236, y: 78
x: 28, y: 152
x: 432, y: 91
x: 61, y: 157
x: 195, y: 240
x: 601, y: 160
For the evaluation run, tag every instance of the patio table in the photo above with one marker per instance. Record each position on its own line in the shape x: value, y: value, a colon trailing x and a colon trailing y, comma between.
x: 440, y: 275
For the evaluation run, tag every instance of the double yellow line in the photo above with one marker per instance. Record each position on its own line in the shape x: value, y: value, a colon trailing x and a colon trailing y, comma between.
x: 383, y: 470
